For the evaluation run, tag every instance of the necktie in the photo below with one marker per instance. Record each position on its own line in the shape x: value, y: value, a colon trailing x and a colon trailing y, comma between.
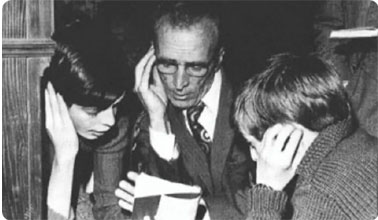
x: 199, y: 133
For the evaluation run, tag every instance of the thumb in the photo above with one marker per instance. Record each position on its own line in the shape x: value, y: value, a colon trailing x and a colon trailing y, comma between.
x: 253, y: 152
x: 132, y: 175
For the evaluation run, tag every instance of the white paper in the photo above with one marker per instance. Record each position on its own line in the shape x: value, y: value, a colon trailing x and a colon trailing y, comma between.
x: 360, y: 32
x: 146, y: 186
x: 171, y: 208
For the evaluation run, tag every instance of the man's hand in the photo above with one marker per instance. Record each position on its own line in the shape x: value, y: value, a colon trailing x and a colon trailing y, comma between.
x: 279, y: 155
x: 125, y: 192
x: 152, y: 96
x: 60, y: 127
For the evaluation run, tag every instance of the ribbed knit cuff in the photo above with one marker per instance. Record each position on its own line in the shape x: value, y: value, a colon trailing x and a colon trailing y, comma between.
x: 267, y: 202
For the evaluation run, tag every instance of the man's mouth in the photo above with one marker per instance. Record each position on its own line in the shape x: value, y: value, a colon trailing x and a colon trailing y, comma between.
x: 180, y: 97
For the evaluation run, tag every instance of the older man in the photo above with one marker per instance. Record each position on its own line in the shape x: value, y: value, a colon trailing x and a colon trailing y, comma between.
x: 186, y: 134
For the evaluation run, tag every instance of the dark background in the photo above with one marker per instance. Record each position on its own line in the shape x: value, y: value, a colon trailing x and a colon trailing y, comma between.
x: 253, y: 30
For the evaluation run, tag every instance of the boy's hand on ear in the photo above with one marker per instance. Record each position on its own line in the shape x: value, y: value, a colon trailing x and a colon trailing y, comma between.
x: 279, y: 155
x: 60, y: 127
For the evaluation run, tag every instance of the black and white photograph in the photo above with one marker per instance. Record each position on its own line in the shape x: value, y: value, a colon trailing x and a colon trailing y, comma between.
x: 189, y: 110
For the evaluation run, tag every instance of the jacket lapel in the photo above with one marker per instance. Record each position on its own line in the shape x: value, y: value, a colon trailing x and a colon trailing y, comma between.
x: 223, y: 135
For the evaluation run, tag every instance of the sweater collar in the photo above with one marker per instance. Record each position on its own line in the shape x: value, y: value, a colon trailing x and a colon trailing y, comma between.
x: 323, y: 145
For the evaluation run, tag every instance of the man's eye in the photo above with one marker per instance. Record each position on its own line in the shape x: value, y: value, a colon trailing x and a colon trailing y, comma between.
x: 166, y: 65
x: 196, y: 68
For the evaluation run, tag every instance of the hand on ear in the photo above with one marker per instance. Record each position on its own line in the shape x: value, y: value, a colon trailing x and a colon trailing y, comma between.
x: 278, y: 155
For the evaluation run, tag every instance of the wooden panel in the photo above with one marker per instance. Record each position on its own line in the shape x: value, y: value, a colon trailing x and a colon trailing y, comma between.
x: 16, y: 184
x: 35, y: 68
x: 40, y: 18
x: 28, y: 47
x: 14, y: 25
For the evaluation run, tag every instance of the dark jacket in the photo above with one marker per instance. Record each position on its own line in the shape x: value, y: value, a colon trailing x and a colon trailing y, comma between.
x: 229, y: 164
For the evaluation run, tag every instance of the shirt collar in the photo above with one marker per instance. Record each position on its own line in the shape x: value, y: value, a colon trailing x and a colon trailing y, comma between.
x: 211, y: 98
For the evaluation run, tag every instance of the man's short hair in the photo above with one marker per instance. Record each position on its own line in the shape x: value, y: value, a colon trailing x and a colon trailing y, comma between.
x: 87, y: 67
x: 183, y: 15
x: 302, y: 89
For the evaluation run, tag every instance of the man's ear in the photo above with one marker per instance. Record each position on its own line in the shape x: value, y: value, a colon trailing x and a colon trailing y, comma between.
x: 219, y: 60
x: 220, y: 55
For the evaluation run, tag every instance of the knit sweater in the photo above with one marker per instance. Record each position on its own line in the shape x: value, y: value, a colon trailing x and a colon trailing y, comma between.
x: 337, y: 179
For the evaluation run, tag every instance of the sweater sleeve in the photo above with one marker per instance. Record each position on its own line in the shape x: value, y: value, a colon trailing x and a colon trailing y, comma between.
x: 266, y: 203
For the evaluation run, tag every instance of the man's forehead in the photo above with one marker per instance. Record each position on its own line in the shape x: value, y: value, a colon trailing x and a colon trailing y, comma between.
x: 177, y: 42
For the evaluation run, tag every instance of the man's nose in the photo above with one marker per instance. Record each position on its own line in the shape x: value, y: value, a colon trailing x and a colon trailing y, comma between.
x: 107, y: 117
x: 181, y: 79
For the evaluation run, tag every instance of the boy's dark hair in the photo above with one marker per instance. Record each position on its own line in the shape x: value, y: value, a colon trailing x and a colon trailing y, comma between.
x: 88, y: 67
x: 305, y: 89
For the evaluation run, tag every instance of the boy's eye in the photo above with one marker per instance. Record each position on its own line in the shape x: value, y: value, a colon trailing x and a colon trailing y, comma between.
x: 91, y: 111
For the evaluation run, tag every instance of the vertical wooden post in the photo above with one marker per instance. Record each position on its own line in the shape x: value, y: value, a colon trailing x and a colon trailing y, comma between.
x: 27, y: 26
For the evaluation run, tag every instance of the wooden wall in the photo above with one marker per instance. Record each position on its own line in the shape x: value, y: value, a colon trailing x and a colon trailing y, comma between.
x: 27, y: 27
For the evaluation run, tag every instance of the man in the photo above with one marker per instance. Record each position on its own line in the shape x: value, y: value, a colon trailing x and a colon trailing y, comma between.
x: 337, y: 177
x: 174, y: 140
x: 356, y: 58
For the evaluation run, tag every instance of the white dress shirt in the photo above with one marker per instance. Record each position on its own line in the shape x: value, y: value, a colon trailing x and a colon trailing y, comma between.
x: 164, y: 144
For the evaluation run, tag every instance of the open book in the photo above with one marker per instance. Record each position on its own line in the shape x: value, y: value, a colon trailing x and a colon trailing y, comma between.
x: 162, y: 199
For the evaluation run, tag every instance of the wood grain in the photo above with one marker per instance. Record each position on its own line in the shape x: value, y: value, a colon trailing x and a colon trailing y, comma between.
x: 40, y: 19
x: 15, y: 139
x: 14, y: 24
x: 35, y: 68
x: 27, y: 47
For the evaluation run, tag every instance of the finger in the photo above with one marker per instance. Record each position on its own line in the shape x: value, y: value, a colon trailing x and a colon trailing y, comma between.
x: 124, y: 196
x: 126, y: 186
x: 48, y: 116
x: 53, y: 104
x: 63, y: 108
x: 283, y: 137
x: 140, y: 68
x: 157, y: 78
x: 294, y: 142
x: 291, y: 148
x: 144, y: 84
x: 270, y: 136
x: 254, y: 154
x: 132, y: 176
x: 300, y: 153
x: 125, y: 205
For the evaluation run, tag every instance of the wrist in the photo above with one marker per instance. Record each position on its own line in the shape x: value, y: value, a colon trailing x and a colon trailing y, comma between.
x: 269, y: 184
x: 160, y: 123
x: 64, y: 163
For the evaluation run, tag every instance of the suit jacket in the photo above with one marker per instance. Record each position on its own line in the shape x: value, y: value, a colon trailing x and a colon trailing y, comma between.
x: 225, y: 171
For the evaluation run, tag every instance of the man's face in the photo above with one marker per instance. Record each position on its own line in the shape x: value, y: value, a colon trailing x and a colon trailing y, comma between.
x: 90, y: 123
x: 186, y: 63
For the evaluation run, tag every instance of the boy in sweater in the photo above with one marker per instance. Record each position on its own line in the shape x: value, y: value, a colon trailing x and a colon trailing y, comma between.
x: 332, y: 172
